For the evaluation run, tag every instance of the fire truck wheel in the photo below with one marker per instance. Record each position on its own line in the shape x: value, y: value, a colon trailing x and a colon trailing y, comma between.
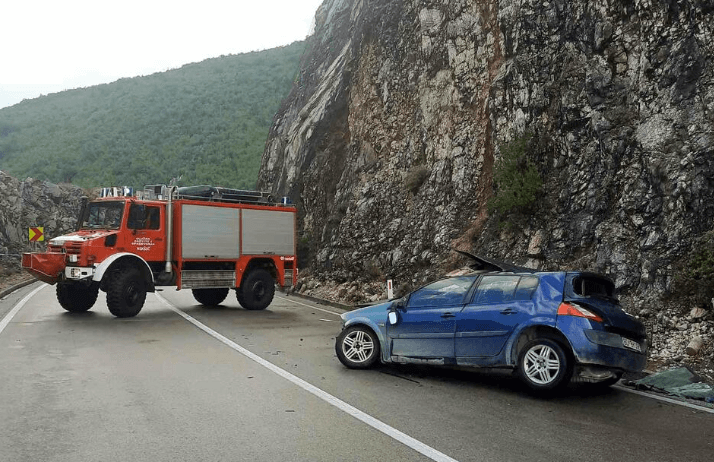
x: 77, y: 298
x: 210, y: 297
x: 126, y: 293
x: 257, y: 290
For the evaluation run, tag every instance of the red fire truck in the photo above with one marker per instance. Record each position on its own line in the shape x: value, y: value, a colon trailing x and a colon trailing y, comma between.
x: 203, y: 238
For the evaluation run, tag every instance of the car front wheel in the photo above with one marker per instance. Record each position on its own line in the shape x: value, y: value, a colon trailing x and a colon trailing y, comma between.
x: 357, y: 347
x: 544, y: 366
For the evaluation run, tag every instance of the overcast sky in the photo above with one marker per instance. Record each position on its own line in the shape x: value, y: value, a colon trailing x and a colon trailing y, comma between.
x: 50, y: 45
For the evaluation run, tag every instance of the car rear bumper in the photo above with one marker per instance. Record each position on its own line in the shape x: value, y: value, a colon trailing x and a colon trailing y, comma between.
x: 600, y: 348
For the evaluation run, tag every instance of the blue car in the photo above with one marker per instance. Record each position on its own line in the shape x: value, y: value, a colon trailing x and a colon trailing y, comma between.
x: 549, y: 327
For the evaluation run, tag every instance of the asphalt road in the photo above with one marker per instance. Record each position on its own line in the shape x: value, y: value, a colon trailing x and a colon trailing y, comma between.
x: 181, y: 382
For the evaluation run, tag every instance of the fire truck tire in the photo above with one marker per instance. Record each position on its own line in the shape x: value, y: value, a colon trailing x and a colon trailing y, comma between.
x: 210, y: 297
x: 126, y: 293
x: 77, y: 298
x: 257, y: 290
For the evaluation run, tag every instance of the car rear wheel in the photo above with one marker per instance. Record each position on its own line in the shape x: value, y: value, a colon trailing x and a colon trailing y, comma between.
x: 357, y: 347
x: 544, y: 366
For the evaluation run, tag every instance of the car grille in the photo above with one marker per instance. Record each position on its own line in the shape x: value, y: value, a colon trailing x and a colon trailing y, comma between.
x: 73, y: 248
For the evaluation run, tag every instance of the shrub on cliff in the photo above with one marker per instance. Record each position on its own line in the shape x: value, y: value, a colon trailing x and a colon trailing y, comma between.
x: 516, y: 179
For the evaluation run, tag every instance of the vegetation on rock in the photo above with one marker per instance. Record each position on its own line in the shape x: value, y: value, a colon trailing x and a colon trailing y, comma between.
x: 516, y: 178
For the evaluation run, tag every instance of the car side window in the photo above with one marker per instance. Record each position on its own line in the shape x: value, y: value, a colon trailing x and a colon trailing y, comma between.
x: 526, y: 287
x: 442, y: 293
x: 496, y: 289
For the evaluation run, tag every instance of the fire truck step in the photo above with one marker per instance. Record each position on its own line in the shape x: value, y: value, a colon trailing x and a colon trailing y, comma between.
x: 195, y: 279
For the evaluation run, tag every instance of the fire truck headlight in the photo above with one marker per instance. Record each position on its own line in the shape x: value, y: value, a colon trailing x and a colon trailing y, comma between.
x: 73, y: 258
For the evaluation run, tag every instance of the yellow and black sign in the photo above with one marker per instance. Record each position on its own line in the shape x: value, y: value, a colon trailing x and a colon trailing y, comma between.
x: 37, y: 234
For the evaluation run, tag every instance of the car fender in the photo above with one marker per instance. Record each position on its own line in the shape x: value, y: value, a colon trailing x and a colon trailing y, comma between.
x: 511, y: 355
x: 379, y: 328
x: 106, y: 264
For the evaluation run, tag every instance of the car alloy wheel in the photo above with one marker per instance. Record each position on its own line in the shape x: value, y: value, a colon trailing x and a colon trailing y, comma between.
x: 543, y: 365
x: 357, y: 347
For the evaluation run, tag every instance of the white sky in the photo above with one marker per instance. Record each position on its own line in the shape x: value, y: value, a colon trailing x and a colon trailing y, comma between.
x: 51, y: 45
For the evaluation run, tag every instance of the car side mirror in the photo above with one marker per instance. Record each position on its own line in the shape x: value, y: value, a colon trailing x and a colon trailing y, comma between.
x: 400, y: 304
x: 393, y: 318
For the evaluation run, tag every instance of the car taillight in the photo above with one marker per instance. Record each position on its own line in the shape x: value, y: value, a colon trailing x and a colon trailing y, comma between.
x: 571, y: 309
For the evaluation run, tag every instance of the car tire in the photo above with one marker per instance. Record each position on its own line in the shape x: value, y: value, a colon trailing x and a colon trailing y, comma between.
x: 544, y: 366
x: 126, y: 293
x: 77, y: 298
x: 256, y: 291
x: 357, y: 347
x: 210, y: 297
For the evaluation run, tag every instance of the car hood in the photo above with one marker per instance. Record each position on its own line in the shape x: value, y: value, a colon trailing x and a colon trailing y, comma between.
x: 368, y: 311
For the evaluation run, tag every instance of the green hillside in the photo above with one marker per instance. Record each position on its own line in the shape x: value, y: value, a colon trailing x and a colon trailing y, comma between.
x: 205, y: 122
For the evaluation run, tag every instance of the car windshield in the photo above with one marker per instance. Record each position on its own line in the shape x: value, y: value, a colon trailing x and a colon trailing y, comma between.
x: 103, y: 215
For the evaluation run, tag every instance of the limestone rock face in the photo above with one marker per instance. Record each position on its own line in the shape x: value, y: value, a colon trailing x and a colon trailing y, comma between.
x: 30, y: 203
x: 388, y: 140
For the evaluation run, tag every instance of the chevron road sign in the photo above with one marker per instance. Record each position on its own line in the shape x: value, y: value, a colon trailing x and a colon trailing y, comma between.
x: 37, y: 234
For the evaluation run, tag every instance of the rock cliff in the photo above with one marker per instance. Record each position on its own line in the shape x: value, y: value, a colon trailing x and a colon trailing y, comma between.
x: 401, y: 109
x: 30, y: 203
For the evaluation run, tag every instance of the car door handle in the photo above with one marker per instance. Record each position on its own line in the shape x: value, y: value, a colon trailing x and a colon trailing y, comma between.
x: 448, y: 315
x: 509, y: 310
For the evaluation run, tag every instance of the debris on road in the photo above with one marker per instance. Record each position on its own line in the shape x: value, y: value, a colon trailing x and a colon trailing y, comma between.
x: 679, y: 381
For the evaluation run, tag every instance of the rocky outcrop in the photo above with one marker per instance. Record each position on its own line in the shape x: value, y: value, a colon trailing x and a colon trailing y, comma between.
x: 388, y: 140
x: 31, y: 203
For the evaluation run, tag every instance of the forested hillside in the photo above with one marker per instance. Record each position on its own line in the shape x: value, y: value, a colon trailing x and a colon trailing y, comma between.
x: 206, y: 122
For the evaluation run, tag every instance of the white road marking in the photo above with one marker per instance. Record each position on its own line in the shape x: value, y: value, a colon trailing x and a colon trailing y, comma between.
x: 665, y: 399
x: 309, y: 306
x: 392, y: 432
x: 6, y: 320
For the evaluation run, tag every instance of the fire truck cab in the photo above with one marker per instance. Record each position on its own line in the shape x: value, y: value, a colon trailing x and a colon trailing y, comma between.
x: 203, y: 238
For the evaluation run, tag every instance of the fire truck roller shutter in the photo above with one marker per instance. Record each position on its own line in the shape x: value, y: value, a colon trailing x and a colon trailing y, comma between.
x: 268, y: 232
x: 210, y: 232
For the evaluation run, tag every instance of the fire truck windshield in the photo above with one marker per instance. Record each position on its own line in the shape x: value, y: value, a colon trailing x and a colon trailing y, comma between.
x: 103, y: 215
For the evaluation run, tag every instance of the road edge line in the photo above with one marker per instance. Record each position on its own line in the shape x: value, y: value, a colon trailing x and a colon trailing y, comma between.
x: 6, y: 320
x: 373, y: 422
x: 308, y: 306
x: 665, y: 399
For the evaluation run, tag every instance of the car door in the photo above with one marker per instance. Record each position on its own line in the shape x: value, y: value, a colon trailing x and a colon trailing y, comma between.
x: 425, y: 328
x: 500, y: 303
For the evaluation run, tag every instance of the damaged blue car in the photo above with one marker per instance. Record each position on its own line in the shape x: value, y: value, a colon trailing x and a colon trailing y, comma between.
x: 548, y: 327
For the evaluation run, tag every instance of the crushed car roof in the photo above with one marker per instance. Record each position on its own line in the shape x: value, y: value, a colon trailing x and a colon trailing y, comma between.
x: 483, y: 264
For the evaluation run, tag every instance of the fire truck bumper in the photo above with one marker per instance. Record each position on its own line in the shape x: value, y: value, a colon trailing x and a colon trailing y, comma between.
x: 75, y: 272
x: 47, y: 267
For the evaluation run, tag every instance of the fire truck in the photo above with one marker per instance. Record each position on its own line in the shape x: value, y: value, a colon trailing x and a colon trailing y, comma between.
x: 207, y: 239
